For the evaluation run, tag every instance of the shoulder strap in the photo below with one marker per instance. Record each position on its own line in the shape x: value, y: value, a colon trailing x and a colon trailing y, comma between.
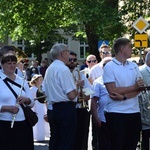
x: 5, y: 81
x: 9, y: 80
x: 16, y: 71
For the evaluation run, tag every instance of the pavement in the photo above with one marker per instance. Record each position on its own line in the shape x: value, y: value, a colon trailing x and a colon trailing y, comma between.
x: 43, y: 145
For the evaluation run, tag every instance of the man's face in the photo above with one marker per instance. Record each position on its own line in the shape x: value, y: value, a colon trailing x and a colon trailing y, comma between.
x: 127, y: 49
x: 105, y: 52
x: 91, y: 61
x: 72, y: 63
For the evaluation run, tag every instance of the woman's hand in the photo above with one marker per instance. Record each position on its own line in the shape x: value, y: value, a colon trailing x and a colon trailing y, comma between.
x: 22, y: 100
x: 14, y: 109
x: 11, y: 109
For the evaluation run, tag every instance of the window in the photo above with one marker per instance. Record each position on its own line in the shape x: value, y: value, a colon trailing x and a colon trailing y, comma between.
x: 84, y: 49
x: 65, y: 41
x: 21, y: 44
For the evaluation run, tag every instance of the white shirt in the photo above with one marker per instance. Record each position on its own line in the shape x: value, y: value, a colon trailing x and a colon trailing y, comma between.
x: 58, y: 82
x: 123, y: 76
x: 86, y: 82
x: 102, y: 93
x: 7, y: 98
x: 96, y: 71
x: 144, y: 103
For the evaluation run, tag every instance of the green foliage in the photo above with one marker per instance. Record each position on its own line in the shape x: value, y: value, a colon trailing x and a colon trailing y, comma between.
x: 40, y: 20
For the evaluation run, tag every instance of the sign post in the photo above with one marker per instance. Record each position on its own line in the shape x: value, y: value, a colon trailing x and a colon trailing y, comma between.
x: 140, y: 40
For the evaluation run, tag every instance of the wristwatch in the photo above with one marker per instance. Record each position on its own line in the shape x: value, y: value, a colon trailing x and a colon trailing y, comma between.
x: 124, y: 97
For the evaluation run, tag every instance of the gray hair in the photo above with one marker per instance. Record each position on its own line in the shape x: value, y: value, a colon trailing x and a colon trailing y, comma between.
x: 147, y: 58
x: 56, y: 49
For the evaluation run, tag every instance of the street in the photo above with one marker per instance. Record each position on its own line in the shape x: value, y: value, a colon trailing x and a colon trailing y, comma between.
x: 43, y: 145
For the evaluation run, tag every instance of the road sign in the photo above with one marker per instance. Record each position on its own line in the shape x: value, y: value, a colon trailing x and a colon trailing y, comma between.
x: 140, y: 40
x: 102, y: 42
x: 140, y: 24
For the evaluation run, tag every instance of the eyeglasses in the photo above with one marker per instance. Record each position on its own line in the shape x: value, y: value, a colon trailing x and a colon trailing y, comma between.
x: 94, y: 61
x: 106, y: 53
x: 73, y: 59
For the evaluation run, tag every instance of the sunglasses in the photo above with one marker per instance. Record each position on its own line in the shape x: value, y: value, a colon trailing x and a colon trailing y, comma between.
x: 73, y: 59
x: 94, y: 61
x: 106, y: 53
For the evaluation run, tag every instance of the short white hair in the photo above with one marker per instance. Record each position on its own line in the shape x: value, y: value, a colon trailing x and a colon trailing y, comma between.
x: 56, y: 49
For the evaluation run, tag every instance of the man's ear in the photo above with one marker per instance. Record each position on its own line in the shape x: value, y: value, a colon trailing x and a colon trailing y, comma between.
x: 61, y: 54
x: 86, y: 63
x: 122, y: 49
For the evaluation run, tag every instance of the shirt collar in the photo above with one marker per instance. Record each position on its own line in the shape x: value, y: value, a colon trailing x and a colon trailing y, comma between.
x: 59, y: 61
x: 118, y: 62
x: 148, y: 68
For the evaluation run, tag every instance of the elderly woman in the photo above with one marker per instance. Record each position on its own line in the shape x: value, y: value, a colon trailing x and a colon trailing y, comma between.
x: 17, y: 136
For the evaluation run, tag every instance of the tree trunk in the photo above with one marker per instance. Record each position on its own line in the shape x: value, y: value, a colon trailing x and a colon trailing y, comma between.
x: 39, y: 53
x: 92, y: 39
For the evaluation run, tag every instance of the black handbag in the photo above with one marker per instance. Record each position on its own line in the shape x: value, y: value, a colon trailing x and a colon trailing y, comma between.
x: 30, y: 115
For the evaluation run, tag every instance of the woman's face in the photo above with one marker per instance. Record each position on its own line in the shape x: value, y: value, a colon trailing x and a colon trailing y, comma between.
x: 39, y: 81
x: 9, y: 67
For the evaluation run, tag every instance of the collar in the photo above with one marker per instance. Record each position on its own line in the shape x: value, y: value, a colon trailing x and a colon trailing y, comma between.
x: 148, y: 68
x: 58, y: 61
x: 118, y: 62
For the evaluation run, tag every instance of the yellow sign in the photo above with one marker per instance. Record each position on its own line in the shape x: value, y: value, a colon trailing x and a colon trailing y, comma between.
x: 140, y: 24
x: 141, y: 40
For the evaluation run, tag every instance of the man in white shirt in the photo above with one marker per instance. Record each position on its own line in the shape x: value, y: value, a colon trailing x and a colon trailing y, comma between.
x: 97, y: 70
x: 91, y: 61
x: 98, y: 102
x: 122, y: 109
x: 61, y: 92
x: 144, y: 101
x: 83, y: 115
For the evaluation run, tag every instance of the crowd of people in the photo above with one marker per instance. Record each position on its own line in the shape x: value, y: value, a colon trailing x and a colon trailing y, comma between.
x: 113, y: 95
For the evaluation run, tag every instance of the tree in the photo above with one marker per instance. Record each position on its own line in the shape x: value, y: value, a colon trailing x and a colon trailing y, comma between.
x: 40, y: 20
x: 29, y: 20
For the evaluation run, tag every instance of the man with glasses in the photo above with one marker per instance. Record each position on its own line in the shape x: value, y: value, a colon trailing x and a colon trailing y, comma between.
x: 90, y: 62
x: 83, y: 115
x: 97, y: 70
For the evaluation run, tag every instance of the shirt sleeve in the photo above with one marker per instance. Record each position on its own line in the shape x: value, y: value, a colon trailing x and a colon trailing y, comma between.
x: 108, y: 75
x: 96, y: 88
x: 66, y: 81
